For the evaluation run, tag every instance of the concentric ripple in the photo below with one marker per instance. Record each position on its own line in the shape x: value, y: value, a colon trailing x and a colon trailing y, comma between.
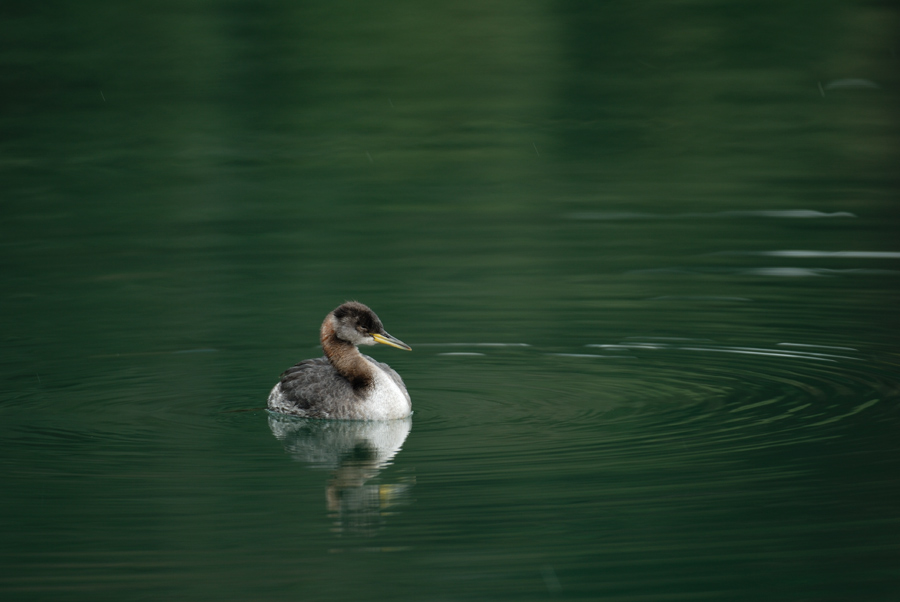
x: 655, y: 391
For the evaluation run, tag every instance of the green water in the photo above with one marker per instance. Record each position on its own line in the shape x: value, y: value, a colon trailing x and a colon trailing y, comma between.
x: 646, y: 256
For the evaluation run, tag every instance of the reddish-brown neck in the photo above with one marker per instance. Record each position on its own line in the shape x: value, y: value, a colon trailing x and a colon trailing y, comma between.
x: 345, y: 357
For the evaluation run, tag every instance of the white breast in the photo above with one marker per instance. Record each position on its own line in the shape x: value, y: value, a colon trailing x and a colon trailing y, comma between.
x: 386, y: 401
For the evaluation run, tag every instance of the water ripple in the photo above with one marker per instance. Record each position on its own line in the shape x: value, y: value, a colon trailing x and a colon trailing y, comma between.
x: 671, y: 394
x: 803, y: 254
x: 775, y: 213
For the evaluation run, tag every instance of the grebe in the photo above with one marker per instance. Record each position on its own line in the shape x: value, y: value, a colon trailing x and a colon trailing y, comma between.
x: 345, y: 384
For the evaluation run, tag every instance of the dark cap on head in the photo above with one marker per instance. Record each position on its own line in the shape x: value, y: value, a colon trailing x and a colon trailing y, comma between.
x: 364, y: 316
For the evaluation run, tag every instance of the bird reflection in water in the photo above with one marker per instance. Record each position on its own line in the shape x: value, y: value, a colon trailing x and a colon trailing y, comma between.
x: 355, y: 452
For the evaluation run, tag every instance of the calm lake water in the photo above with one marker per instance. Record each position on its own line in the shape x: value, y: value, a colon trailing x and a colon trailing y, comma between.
x: 646, y: 257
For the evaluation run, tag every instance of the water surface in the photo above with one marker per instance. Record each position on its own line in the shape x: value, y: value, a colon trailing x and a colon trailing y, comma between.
x: 646, y: 258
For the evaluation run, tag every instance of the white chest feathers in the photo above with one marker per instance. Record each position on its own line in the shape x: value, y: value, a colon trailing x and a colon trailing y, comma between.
x: 386, y: 400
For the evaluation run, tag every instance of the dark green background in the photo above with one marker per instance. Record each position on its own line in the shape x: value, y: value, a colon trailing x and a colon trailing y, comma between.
x: 188, y: 188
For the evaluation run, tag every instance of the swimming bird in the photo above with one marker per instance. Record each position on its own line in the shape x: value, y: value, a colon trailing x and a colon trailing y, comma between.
x: 344, y: 384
